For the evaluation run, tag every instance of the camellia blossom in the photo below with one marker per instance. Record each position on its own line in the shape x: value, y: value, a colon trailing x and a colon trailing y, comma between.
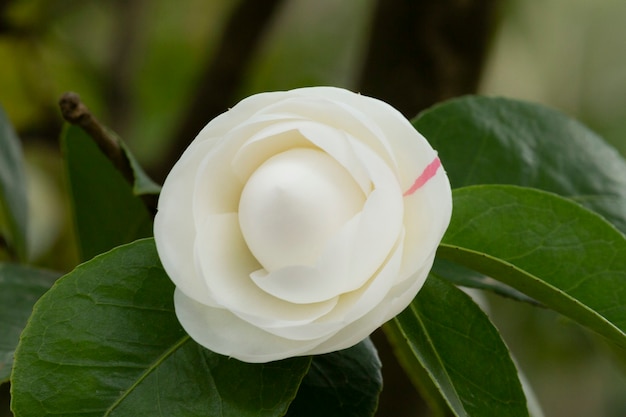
x: 298, y: 222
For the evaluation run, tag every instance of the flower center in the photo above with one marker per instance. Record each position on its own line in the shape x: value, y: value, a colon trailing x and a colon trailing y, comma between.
x: 293, y: 203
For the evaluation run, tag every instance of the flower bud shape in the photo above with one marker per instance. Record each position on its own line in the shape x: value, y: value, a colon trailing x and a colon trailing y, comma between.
x: 298, y: 222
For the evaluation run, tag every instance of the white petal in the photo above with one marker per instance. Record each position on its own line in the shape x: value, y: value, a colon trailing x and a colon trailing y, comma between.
x: 357, y: 303
x: 427, y: 214
x: 240, y: 114
x: 289, y: 134
x: 226, y: 263
x: 222, y: 332
x: 338, y: 144
x: 326, y: 110
x: 361, y: 248
x: 297, y: 284
x: 174, y: 228
x: 265, y: 143
x: 350, y: 307
x: 399, y: 143
x: 400, y: 297
x: 218, y: 186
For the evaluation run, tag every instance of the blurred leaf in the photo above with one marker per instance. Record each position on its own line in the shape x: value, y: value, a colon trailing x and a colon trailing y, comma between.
x: 107, y: 213
x: 549, y: 248
x: 452, y: 338
x: 13, y: 203
x: 341, y: 384
x: 296, y: 52
x: 105, y: 341
x: 20, y: 288
x: 484, y: 140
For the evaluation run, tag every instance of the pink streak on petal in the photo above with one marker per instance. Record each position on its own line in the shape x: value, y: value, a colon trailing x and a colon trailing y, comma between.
x: 426, y: 175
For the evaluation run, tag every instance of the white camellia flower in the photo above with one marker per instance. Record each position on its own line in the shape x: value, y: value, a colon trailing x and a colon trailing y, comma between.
x: 298, y: 222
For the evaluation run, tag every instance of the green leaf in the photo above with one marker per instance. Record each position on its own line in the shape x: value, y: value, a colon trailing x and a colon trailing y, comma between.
x: 548, y: 247
x: 447, y: 334
x: 143, y: 184
x: 107, y: 213
x: 465, y: 277
x: 342, y: 384
x: 484, y: 140
x: 105, y: 341
x: 20, y: 287
x: 418, y: 375
x: 13, y: 203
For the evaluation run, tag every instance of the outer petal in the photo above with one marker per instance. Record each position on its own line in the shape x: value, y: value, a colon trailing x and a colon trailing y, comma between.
x: 239, y: 115
x: 408, y: 150
x: 396, y: 301
x: 174, y: 228
x: 217, y: 185
x: 427, y: 214
x: 221, y: 331
x: 313, y: 105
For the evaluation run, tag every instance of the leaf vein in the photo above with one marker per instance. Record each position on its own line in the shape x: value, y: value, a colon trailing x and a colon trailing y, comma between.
x: 147, y: 372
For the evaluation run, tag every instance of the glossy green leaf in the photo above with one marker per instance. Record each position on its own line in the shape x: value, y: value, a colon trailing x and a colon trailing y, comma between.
x: 13, y: 203
x: 545, y: 246
x: 447, y: 334
x: 346, y: 383
x: 105, y: 341
x: 107, y: 213
x: 484, y: 140
x: 465, y: 277
x: 20, y: 287
x: 418, y: 375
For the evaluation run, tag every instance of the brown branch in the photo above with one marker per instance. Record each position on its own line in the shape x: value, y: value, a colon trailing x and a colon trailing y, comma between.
x: 76, y: 113
x: 425, y: 51
x: 218, y: 85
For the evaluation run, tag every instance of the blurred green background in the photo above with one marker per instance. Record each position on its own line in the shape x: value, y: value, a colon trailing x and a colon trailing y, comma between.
x: 156, y: 71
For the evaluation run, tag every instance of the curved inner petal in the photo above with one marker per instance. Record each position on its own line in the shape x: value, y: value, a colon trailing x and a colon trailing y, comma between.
x: 331, y: 110
x: 293, y: 203
x: 226, y: 264
x: 359, y: 250
x: 288, y: 134
x: 353, y: 254
x: 351, y: 306
x: 217, y: 186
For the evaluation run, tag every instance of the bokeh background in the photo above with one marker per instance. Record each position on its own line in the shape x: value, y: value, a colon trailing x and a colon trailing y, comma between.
x: 156, y: 71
